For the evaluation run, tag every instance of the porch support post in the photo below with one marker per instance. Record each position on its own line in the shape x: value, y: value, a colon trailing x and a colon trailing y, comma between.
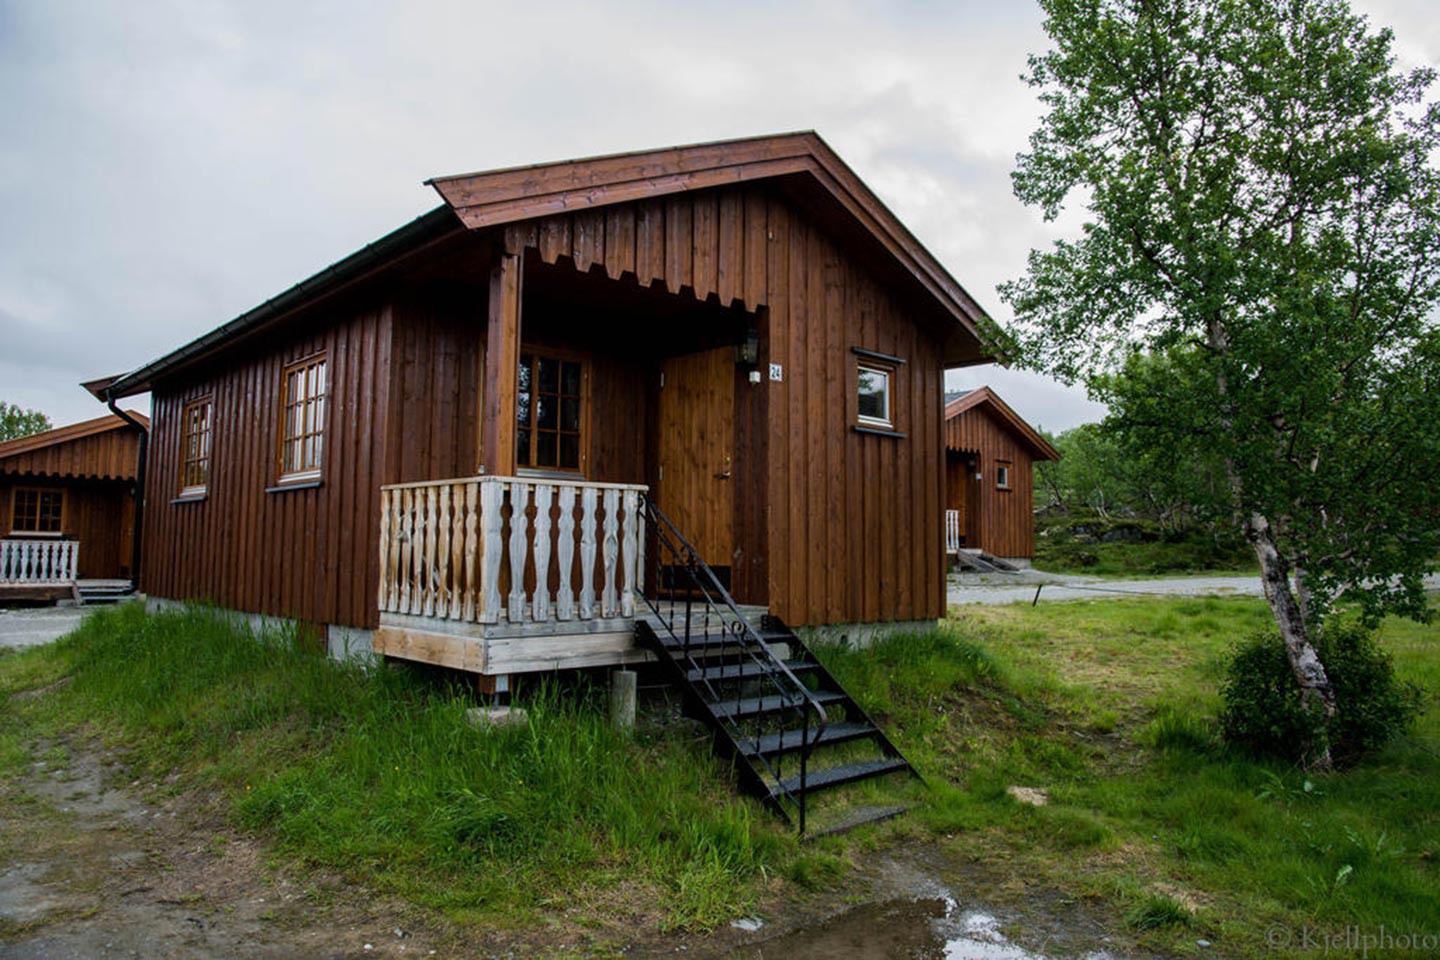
x: 502, y: 364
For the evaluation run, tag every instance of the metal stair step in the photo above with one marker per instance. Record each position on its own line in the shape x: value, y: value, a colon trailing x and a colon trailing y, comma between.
x: 858, y: 818
x: 744, y: 671
x: 705, y: 644
x: 789, y: 740
x: 753, y: 706
x: 841, y: 775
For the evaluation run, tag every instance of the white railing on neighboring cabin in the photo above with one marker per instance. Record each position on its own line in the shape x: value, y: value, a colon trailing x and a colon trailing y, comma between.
x: 38, y: 561
x: 518, y: 549
x: 952, y: 531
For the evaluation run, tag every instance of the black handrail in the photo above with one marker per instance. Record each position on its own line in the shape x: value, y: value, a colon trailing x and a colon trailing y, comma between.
x: 717, y: 604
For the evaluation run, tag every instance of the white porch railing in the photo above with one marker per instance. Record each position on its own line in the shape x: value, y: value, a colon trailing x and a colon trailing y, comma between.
x: 952, y: 531
x: 38, y: 561
x: 483, y: 549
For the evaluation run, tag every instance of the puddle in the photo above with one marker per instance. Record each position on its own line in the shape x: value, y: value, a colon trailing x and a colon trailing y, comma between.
x: 933, y: 928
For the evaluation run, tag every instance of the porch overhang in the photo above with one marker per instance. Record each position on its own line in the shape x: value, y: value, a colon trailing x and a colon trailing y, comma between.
x: 517, y: 199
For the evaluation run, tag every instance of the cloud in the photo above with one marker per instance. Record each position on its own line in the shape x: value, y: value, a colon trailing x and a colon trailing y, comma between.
x: 166, y: 166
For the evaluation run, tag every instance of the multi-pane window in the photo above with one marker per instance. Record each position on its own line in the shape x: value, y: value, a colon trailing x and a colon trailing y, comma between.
x: 37, y: 511
x: 195, y: 447
x: 548, y: 415
x: 874, y: 386
x: 302, y: 419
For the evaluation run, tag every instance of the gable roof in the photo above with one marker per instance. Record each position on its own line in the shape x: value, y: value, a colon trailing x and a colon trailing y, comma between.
x: 990, y: 400
x: 65, y: 434
x: 497, y: 197
x: 482, y: 200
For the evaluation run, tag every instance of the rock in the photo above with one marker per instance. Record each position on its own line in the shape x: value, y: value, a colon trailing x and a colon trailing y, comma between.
x: 485, y: 718
x: 1202, y: 943
x: 1031, y: 795
x: 748, y: 924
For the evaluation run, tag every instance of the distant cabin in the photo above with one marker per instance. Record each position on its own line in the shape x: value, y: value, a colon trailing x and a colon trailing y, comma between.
x: 67, y: 498
x: 989, y: 477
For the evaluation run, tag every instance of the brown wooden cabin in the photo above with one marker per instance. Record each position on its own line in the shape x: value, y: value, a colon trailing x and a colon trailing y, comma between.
x: 68, y: 501
x: 989, y: 476
x: 740, y: 330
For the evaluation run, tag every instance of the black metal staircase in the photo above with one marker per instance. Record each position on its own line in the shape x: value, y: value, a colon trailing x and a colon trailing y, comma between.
x: 770, y: 704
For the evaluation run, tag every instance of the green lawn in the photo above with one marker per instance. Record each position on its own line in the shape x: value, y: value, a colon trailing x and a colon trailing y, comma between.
x: 1108, y: 706
x: 1144, y: 559
x: 1105, y: 705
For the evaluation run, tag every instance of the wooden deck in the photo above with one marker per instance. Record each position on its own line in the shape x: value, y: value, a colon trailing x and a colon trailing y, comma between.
x: 506, y: 648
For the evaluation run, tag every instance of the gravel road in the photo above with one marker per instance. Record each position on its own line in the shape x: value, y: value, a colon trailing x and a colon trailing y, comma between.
x: 29, y: 626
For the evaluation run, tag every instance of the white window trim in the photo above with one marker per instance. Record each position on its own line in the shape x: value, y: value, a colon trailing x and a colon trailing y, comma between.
x: 888, y: 373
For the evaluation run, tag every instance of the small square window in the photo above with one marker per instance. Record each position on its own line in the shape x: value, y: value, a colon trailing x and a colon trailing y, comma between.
x: 38, y: 512
x: 1002, y: 475
x: 874, y: 396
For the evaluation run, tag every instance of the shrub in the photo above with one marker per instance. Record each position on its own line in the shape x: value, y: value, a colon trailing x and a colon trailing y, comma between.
x: 1262, y: 709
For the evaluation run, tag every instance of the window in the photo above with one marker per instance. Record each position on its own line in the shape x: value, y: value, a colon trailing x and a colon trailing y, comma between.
x: 1002, y: 474
x: 302, y: 421
x: 195, y: 447
x: 548, y: 415
x: 875, y: 396
x: 38, y: 511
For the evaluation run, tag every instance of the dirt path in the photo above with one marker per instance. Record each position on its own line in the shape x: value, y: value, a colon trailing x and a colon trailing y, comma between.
x: 88, y: 870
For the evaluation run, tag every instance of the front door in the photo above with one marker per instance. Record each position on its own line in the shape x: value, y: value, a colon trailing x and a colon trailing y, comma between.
x: 697, y: 435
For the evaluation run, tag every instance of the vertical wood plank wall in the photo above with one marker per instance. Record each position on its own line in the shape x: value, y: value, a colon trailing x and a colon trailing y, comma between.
x: 101, y: 456
x: 96, y: 514
x: 1005, y: 519
x: 304, y: 553
x: 854, y: 523
x: 833, y: 525
x: 433, y: 427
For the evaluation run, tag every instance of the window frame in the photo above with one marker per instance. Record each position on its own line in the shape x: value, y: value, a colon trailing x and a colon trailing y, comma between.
x: 283, y: 436
x: 559, y: 356
x: 887, y: 422
x: 39, y: 492
x: 1004, y: 468
x: 208, y: 434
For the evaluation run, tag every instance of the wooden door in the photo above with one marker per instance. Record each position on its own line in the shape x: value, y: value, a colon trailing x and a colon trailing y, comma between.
x: 697, y: 434
x: 957, y: 484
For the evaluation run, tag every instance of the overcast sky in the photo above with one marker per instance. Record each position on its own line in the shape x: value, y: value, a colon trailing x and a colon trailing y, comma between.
x: 166, y: 165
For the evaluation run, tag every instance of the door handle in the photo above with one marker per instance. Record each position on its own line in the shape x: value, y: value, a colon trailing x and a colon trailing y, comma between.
x: 724, y: 473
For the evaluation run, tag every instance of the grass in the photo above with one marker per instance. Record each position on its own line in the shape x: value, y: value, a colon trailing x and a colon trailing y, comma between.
x: 1060, y: 549
x: 1109, y: 707
x: 1106, y: 706
x: 377, y: 774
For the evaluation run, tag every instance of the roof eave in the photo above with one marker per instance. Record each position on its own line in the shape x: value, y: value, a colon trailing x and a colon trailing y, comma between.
x: 432, y: 225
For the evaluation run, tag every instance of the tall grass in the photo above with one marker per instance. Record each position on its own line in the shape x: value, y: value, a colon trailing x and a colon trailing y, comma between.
x: 378, y: 773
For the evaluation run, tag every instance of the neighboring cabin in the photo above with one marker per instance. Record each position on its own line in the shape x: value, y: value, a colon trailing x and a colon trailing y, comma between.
x: 989, y: 476
x: 68, y: 501
x: 740, y: 331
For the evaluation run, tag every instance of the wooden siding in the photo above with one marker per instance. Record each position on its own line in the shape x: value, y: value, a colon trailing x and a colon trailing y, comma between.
x: 829, y: 491
x: 1003, y: 520
x: 303, y: 553
x: 99, y: 514
x: 107, y: 455
x: 711, y: 243
x: 832, y: 525
x: 433, y: 426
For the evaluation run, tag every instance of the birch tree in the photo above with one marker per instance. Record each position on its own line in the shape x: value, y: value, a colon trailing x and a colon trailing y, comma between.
x: 1259, y: 184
